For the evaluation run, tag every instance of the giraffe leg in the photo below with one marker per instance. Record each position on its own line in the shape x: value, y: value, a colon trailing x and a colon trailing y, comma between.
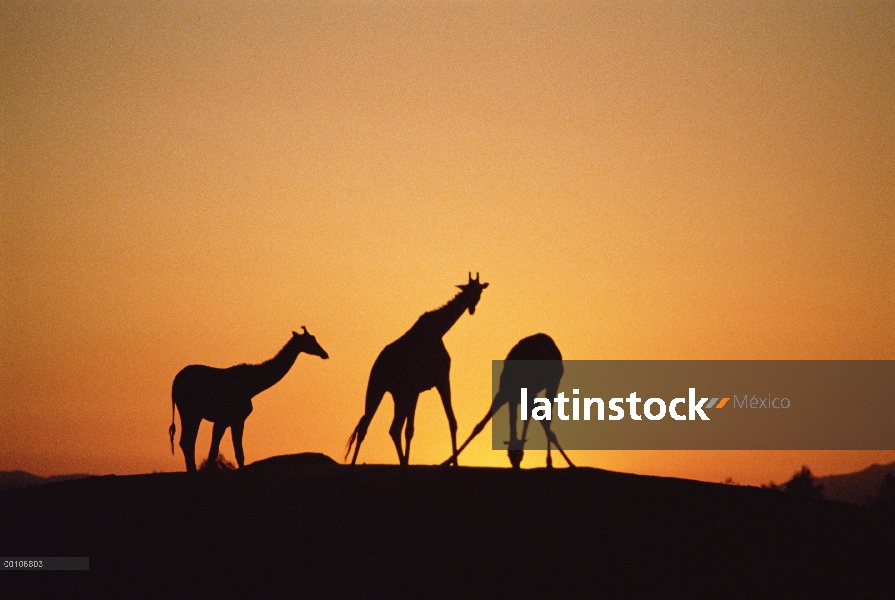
x: 550, y: 438
x: 216, y: 435
x: 408, y: 431
x: 551, y: 390
x: 236, y: 433
x: 190, y: 426
x: 397, y: 425
x: 444, y: 390
x: 519, y: 452
x: 477, y: 429
x: 514, y: 451
x: 524, y: 439
x: 375, y: 392
x: 513, y: 439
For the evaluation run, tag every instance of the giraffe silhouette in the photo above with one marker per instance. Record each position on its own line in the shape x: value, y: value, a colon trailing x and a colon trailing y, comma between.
x: 412, y: 364
x: 224, y: 396
x: 535, y: 377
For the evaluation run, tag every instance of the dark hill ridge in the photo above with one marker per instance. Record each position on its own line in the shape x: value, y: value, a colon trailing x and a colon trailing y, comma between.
x: 17, y: 479
x: 858, y: 487
x: 279, y: 528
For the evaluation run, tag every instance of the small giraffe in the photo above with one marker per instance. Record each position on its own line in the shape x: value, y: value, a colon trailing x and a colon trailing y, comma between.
x: 412, y: 364
x: 224, y: 396
x: 533, y: 376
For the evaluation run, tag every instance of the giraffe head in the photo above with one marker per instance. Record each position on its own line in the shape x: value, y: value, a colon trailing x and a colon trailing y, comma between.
x: 308, y: 343
x: 473, y: 291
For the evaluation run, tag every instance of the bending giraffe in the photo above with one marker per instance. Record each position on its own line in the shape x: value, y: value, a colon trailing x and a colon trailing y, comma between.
x: 224, y: 396
x: 517, y: 374
x: 412, y: 364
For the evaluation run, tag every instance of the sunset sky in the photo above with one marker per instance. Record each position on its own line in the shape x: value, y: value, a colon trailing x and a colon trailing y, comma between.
x: 188, y: 182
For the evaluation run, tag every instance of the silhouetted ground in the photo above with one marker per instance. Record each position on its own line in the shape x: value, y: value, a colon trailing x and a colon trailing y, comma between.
x: 304, y: 527
x: 18, y: 479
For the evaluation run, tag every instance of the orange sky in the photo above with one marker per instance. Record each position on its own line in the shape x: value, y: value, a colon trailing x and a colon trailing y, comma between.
x: 185, y: 182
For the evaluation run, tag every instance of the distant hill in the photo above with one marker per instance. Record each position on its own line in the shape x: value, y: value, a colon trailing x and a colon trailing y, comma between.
x: 856, y: 488
x: 18, y: 479
x: 305, y: 527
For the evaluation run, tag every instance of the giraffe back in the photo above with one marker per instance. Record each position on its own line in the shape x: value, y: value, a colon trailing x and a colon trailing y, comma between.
x: 519, y: 373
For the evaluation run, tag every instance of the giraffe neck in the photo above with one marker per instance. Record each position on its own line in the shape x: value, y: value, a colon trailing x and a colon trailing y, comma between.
x: 268, y: 373
x: 439, y: 322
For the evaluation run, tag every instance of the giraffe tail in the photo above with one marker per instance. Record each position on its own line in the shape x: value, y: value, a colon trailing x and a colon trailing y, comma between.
x: 173, y: 427
x: 352, y: 439
x: 375, y: 391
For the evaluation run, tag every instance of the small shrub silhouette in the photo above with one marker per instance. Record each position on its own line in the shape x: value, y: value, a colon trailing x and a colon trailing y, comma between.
x: 803, y: 484
x: 220, y: 464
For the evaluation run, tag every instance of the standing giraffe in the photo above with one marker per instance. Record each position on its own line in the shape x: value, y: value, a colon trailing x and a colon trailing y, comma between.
x: 415, y: 362
x: 224, y: 396
x: 535, y: 377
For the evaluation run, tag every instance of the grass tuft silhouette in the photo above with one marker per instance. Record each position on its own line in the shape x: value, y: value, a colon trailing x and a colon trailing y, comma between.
x: 220, y: 464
